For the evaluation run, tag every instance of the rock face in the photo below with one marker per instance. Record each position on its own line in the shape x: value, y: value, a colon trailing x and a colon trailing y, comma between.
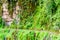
x: 7, y: 18
x: 16, y: 13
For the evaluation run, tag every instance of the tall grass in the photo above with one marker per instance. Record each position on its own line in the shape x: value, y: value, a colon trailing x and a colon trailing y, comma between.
x: 39, y: 20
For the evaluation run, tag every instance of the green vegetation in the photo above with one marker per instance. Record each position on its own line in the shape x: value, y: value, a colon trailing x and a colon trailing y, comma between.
x: 28, y: 35
x: 39, y: 20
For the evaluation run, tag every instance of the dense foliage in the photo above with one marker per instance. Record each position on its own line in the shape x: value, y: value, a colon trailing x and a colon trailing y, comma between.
x: 35, y: 15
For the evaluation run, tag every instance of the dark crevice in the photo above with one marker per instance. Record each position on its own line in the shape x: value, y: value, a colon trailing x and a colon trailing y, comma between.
x: 54, y: 7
